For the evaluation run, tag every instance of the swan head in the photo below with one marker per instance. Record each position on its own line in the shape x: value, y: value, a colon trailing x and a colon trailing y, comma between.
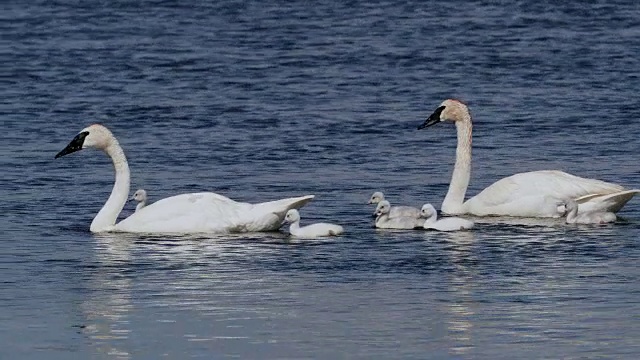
x: 292, y: 216
x: 94, y: 136
x: 449, y: 110
x: 383, y: 208
x: 428, y: 211
x: 140, y: 195
x: 376, y: 198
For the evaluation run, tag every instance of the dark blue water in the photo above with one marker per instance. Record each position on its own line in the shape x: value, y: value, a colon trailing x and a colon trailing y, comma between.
x: 259, y: 101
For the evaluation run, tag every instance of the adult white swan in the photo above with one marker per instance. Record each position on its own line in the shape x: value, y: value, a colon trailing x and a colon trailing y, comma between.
x: 204, y: 212
x: 529, y: 194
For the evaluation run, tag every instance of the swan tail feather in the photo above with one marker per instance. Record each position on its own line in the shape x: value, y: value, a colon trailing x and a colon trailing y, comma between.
x: 283, y: 205
x: 268, y: 216
x: 610, y: 202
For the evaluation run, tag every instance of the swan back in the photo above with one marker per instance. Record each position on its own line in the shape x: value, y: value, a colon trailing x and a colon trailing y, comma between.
x: 395, y: 211
x: 384, y: 221
x: 209, y: 213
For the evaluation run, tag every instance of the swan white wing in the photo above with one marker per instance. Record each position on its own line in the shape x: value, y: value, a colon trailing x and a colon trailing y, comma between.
x: 517, y: 193
x: 208, y: 213
x: 401, y: 211
x: 605, y: 203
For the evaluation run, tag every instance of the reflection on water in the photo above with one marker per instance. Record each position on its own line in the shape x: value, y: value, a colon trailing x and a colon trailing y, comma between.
x: 460, y: 312
x: 108, y: 302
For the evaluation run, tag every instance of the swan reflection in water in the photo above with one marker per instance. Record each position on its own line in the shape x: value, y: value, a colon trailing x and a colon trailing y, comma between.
x: 173, y: 274
x: 108, y: 303
x: 458, y: 310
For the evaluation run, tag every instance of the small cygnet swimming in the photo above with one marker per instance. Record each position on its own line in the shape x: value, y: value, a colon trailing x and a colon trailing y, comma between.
x: 444, y: 224
x: 384, y: 221
x: 141, y: 197
x: 310, y: 231
x: 396, y: 211
x: 596, y: 217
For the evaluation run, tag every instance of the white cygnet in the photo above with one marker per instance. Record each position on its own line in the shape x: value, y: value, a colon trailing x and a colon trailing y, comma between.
x: 444, y: 224
x: 601, y: 217
x: 310, y: 231
x: 396, y: 211
x: 384, y: 221
x: 141, y: 197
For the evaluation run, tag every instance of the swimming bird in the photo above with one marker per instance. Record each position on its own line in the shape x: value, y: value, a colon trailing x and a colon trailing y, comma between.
x: 528, y: 194
x: 395, y: 211
x: 444, y: 224
x: 384, y: 221
x: 141, y: 197
x: 600, y: 217
x: 203, y: 212
x: 310, y: 231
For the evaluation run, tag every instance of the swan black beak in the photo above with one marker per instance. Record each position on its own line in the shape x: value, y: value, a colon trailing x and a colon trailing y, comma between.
x: 74, y: 145
x: 432, y: 119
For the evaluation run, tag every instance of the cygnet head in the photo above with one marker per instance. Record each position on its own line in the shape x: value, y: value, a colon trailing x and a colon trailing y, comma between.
x: 140, y: 195
x: 376, y: 198
x: 383, y: 208
x: 428, y: 211
x: 94, y: 136
x: 570, y: 206
x: 449, y: 110
x: 292, y: 216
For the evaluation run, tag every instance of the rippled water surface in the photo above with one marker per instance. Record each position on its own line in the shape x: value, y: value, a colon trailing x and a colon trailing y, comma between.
x: 264, y: 100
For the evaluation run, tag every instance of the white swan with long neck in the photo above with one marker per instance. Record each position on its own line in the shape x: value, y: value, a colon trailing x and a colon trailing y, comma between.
x: 529, y: 194
x: 204, y: 212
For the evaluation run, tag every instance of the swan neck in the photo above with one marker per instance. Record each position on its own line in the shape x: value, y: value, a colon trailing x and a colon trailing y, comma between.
x: 453, y: 202
x: 432, y: 219
x: 572, y: 215
x: 108, y: 215
x: 294, y: 227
